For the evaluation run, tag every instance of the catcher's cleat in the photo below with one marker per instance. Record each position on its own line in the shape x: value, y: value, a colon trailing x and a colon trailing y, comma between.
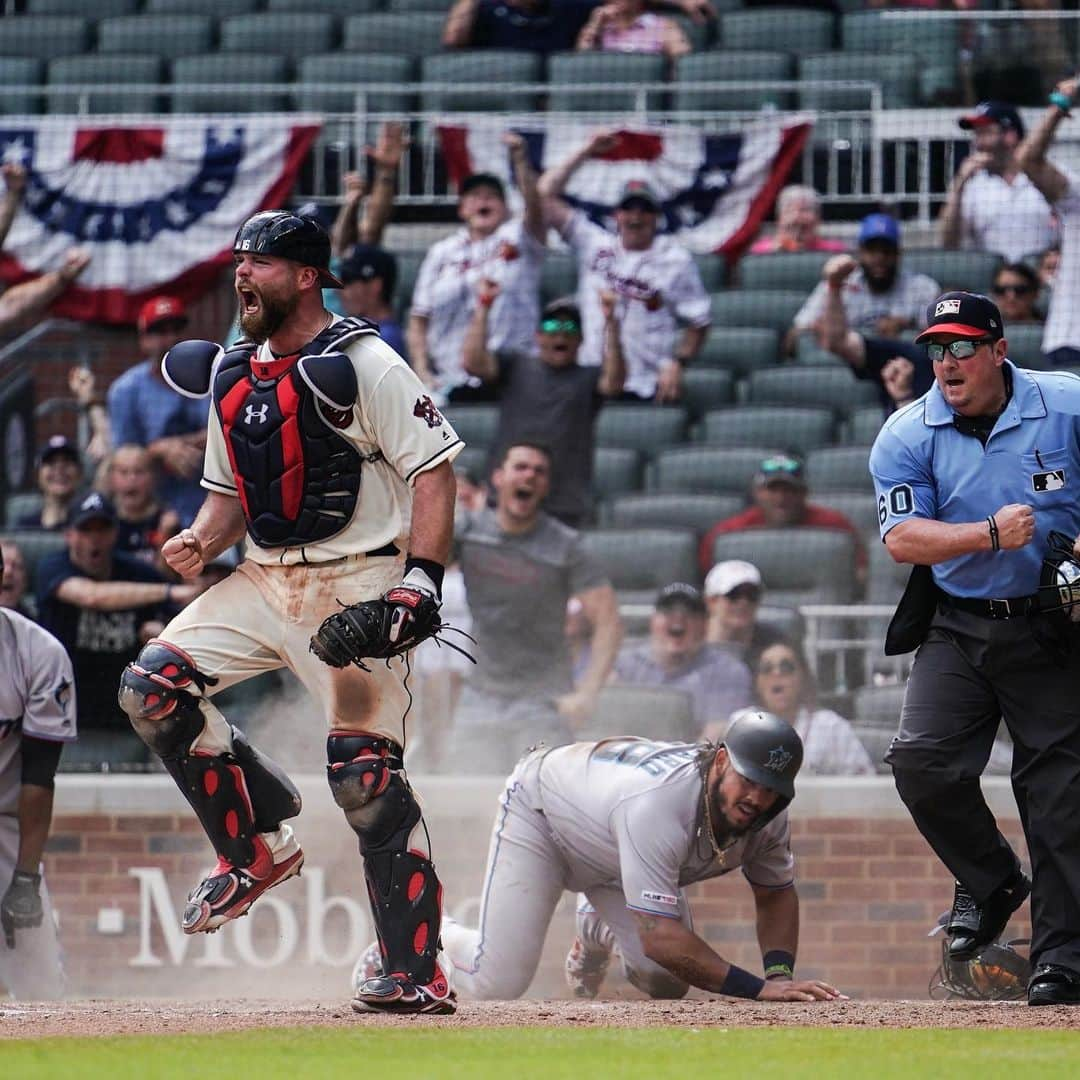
x: 228, y: 891
x: 398, y: 994
x: 369, y: 966
x: 585, y: 968
x: 973, y: 926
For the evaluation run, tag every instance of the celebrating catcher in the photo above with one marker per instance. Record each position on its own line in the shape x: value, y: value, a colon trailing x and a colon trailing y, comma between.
x: 325, y: 450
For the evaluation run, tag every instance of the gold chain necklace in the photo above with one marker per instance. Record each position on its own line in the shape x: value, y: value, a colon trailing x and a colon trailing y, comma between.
x: 717, y: 849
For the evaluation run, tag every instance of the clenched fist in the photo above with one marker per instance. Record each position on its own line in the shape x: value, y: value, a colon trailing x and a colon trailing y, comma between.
x: 1016, y: 526
x: 183, y: 553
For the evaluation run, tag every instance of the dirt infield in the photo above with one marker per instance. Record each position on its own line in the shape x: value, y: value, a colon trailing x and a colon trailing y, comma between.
x: 84, y: 1018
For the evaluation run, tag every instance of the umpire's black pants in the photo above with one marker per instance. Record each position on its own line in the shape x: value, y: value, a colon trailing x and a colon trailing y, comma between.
x: 969, y: 673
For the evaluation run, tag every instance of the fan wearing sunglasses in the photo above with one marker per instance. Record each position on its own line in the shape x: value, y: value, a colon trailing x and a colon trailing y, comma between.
x: 1016, y: 290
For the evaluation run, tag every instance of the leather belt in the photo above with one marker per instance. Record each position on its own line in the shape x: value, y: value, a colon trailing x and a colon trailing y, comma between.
x: 1011, y: 608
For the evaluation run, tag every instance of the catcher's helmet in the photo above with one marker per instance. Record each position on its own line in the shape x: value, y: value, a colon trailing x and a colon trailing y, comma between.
x: 998, y: 973
x: 767, y: 751
x: 1059, y: 583
x: 288, y: 236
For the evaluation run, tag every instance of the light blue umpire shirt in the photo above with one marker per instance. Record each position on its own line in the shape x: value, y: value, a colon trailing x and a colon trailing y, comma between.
x: 924, y: 468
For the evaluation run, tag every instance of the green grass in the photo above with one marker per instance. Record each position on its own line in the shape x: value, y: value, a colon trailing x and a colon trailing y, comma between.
x: 684, y: 1053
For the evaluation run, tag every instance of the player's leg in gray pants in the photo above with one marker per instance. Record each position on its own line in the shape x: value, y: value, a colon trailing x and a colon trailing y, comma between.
x: 522, y: 884
x: 609, y: 912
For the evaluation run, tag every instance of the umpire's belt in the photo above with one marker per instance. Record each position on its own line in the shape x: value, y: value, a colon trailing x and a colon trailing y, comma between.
x: 1012, y: 608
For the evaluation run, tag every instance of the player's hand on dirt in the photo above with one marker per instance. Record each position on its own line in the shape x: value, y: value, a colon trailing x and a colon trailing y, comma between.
x: 20, y: 908
x: 837, y: 270
x: 1016, y: 526
x: 898, y: 378
x: 799, y: 990
x: 75, y: 261
x: 602, y: 142
x: 390, y: 144
x: 487, y: 291
x: 14, y: 178
x: 975, y: 162
x: 669, y: 385
x: 577, y: 707
x: 183, y: 554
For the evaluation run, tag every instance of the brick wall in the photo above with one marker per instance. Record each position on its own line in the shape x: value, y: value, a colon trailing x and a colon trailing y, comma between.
x: 870, y: 890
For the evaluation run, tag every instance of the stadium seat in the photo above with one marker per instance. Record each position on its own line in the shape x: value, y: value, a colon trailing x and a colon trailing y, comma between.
x: 22, y: 71
x: 671, y: 510
x: 616, y: 471
x: 201, y: 7
x: 859, y: 507
x: 783, y: 270
x: 192, y: 74
x: 705, y: 389
x: 896, y: 73
x: 651, y: 712
x: 43, y: 37
x: 476, y: 424
x: 19, y: 504
x: 104, y: 70
x: 172, y: 36
x: 713, y: 270
x: 808, y: 353
x: 359, y: 69
x: 878, y: 706
x: 773, y: 309
x: 480, y: 69
x: 970, y: 270
x: 798, y: 565
x: 834, y: 387
x: 784, y: 619
x: 864, y: 424
x: 101, y: 8
x: 723, y: 65
x: 798, y: 428
x: 642, y: 561
x: 408, y: 269
x: 1025, y: 345
x: 601, y: 69
x: 416, y: 33
x: 473, y: 462
x: 839, y: 468
x: 645, y: 428
x: 335, y: 7
x: 788, y: 29
x: 876, y: 741
x: 739, y: 348
x: 442, y: 6
x: 701, y: 35
x: 887, y: 577
x: 558, y: 277
x: 279, y: 33
x: 707, y: 470
x: 35, y: 545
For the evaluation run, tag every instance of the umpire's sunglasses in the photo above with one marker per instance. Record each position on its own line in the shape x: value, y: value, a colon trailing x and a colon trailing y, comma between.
x: 560, y: 326
x: 963, y: 349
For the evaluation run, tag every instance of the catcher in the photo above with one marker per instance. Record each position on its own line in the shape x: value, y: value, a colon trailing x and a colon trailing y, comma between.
x: 325, y: 452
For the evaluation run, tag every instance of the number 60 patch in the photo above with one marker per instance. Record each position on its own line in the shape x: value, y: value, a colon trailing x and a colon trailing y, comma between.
x: 901, y: 501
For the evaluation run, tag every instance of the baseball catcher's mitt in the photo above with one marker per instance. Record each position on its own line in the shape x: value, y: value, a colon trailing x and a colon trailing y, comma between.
x: 377, y: 629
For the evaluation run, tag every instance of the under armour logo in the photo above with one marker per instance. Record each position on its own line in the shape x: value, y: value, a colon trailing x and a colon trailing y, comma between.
x: 778, y: 759
x: 250, y: 413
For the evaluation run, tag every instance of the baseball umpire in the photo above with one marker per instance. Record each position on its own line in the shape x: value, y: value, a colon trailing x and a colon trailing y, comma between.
x: 971, y: 480
x: 37, y: 716
x: 632, y: 822
x: 323, y: 449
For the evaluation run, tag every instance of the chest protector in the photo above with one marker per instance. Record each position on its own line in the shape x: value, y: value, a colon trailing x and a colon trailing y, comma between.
x: 297, y: 477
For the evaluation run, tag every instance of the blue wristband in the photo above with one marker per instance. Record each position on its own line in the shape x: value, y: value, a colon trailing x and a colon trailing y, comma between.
x: 741, y: 984
x: 1064, y: 103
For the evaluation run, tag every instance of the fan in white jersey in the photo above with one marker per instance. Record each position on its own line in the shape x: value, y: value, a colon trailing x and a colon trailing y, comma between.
x: 654, y: 277
x: 37, y: 716
x: 630, y: 823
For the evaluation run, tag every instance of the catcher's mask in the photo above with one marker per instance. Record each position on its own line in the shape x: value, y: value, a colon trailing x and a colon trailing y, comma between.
x: 998, y: 973
x: 1059, y: 583
x: 766, y: 750
x: 288, y: 236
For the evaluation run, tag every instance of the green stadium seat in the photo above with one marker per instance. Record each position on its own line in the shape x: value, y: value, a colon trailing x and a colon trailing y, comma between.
x: 616, y: 471
x: 808, y: 353
x: 897, y: 74
x: 359, y: 69
x: 970, y: 270
x: 798, y: 565
x: 473, y: 462
x: 722, y: 65
x: 739, y: 348
x: 1025, y: 345
x: 651, y: 712
x: 22, y: 71
x: 834, y: 387
x: 799, y: 428
x: 879, y: 706
x: 859, y: 507
x: 558, y: 276
x: 19, y: 504
x: 701, y: 35
x: 645, y: 428
x: 787, y: 29
x: 399, y: 33
x: 713, y: 270
x: 101, y: 8
x: 864, y: 424
x: 340, y: 8
x: 35, y: 545
x: 200, y: 7
x: 876, y: 742
x: 479, y: 69
x: 107, y: 71
x: 476, y: 424
x: 773, y: 309
x: 887, y: 577
x: 706, y: 470
x: 838, y: 468
x: 705, y: 389
x: 43, y: 37
x: 442, y: 6
x: 678, y: 510
x: 279, y: 33
x: 601, y: 69
x: 172, y: 36
x: 644, y: 560
x: 783, y: 270
x: 191, y: 75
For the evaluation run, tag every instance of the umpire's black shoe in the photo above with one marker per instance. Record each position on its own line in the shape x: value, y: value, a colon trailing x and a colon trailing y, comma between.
x: 1052, y: 984
x: 973, y: 926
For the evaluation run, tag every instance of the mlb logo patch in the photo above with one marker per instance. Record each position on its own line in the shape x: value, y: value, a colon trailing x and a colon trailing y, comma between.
x: 947, y: 307
x: 1054, y: 480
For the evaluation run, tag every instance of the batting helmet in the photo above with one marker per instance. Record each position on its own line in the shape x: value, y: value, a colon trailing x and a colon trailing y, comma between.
x: 1059, y: 583
x: 998, y: 973
x: 765, y: 750
x: 288, y: 236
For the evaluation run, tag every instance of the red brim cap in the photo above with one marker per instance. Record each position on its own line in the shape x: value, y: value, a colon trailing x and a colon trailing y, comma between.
x: 953, y: 328
x: 978, y: 120
x: 328, y: 280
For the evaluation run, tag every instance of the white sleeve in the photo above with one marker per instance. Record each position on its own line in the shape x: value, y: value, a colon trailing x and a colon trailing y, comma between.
x: 649, y: 860
x: 581, y: 234
x: 1069, y: 202
x: 690, y: 301
x: 50, y: 702
x: 217, y: 472
x: 811, y: 311
x: 422, y: 299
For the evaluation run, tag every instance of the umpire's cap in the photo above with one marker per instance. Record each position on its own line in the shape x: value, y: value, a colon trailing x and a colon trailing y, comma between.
x: 767, y: 751
x: 965, y: 314
x: 288, y: 236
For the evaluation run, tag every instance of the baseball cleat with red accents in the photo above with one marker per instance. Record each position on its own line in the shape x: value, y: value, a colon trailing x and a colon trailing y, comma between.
x: 398, y: 994
x: 228, y: 891
x: 585, y: 968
